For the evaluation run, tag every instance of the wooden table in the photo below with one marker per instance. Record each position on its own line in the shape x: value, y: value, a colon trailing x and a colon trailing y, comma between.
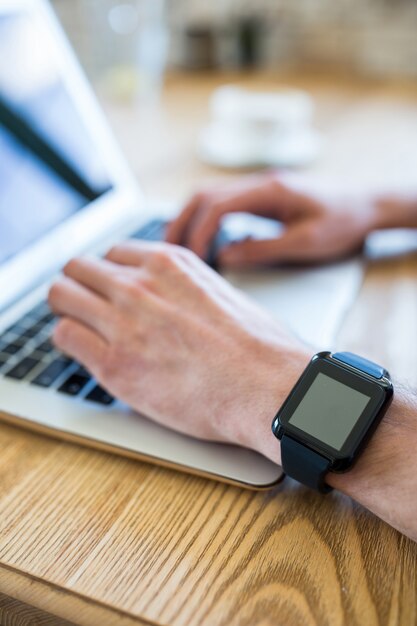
x: 90, y: 538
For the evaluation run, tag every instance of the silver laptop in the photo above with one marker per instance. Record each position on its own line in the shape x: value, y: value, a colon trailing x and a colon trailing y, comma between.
x: 65, y: 189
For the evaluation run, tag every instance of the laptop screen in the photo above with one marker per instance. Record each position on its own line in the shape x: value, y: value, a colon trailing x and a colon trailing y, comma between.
x: 49, y: 165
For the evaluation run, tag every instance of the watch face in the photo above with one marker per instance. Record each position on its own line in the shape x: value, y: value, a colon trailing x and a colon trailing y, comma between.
x: 332, y: 409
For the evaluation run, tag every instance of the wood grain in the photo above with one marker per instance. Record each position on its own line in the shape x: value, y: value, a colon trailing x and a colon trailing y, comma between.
x: 95, y: 539
x: 15, y: 613
x: 182, y: 550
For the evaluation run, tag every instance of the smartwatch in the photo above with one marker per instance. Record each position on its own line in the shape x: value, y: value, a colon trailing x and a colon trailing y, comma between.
x: 329, y: 416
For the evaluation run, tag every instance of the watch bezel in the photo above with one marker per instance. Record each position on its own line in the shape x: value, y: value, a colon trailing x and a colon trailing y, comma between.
x: 380, y: 392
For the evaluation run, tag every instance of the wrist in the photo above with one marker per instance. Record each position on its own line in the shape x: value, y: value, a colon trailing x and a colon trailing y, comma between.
x: 274, y: 380
x: 384, y: 477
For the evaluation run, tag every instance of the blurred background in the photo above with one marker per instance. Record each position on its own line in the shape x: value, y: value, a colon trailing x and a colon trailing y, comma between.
x: 373, y: 37
x: 351, y: 67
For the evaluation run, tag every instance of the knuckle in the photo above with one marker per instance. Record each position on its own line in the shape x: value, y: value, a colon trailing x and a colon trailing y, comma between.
x: 106, y: 369
x: 115, y: 360
x: 128, y: 289
x: 177, y: 258
x: 185, y: 254
x: 146, y: 283
x: 163, y: 258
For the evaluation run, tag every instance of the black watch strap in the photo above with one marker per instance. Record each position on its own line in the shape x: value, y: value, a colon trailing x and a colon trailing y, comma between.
x: 303, y: 464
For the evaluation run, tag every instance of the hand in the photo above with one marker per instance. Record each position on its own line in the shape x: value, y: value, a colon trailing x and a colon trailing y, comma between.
x: 163, y: 332
x: 167, y: 335
x: 319, y: 225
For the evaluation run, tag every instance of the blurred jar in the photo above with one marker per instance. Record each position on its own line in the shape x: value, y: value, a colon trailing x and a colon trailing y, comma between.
x: 128, y: 43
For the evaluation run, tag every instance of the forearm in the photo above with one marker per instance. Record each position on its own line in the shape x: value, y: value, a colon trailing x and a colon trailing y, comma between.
x: 384, y: 479
x: 395, y: 211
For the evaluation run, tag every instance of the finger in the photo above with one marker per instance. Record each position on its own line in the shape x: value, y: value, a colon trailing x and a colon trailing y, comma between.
x: 99, y: 275
x: 267, y: 200
x: 69, y: 298
x: 81, y: 343
x: 287, y: 248
x: 177, y: 229
x: 133, y: 253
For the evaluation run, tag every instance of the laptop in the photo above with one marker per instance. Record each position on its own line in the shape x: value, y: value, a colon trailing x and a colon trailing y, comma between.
x: 66, y: 189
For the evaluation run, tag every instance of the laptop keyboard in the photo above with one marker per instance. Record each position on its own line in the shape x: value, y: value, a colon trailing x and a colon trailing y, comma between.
x: 27, y: 353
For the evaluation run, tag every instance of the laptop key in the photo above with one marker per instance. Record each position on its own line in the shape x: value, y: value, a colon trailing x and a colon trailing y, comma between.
x: 22, y: 369
x: 46, y: 346
x: 26, y: 320
x: 39, y: 310
x: 46, y: 319
x: 74, y: 384
x: 48, y: 376
x: 82, y: 371
x: 13, y: 347
x: 16, y: 329
x: 31, y: 332
x: 152, y: 231
x: 99, y: 395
